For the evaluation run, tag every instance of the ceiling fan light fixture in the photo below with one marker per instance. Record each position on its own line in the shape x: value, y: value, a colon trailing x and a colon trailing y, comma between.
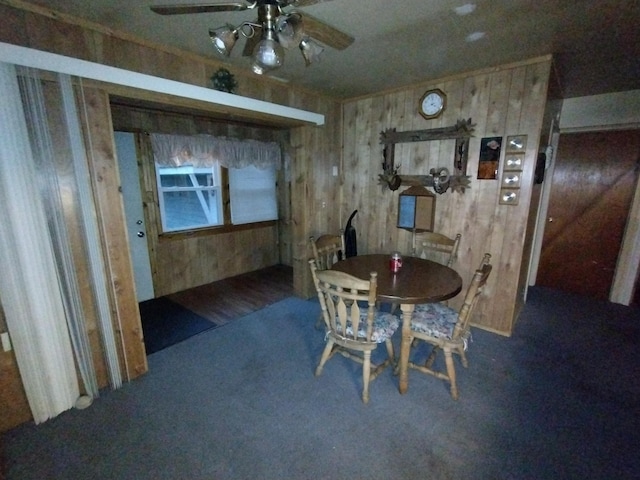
x: 310, y: 50
x: 268, y: 54
x: 275, y: 29
x: 290, y: 30
x: 224, y: 39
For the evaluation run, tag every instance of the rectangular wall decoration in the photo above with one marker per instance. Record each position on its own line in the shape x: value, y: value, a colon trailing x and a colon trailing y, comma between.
x: 509, y: 196
x: 516, y: 143
x: 513, y: 162
x: 512, y: 169
x: 511, y: 179
x: 489, y: 158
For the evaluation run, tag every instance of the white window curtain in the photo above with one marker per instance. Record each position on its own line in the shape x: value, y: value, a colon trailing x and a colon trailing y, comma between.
x: 204, y: 150
x: 43, y: 155
x: 31, y: 295
x: 38, y: 286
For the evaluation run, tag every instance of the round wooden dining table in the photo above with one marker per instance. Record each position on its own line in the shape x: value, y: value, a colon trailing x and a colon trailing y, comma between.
x: 418, y: 281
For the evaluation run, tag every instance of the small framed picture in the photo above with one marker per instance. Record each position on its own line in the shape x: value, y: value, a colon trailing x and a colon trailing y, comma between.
x: 489, y: 158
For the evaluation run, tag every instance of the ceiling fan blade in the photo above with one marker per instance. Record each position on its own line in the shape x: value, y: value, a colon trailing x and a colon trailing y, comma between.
x: 198, y: 8
x: 305, y: 3
x: 325, y: 33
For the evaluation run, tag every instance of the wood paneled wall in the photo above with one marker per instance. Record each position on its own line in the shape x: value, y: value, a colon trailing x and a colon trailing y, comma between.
x: 13, y: 399
x: 105, y: 179
x: 313, y: 150
x: 315, y: 192
x: 500, y: 102
x: 181, y: 261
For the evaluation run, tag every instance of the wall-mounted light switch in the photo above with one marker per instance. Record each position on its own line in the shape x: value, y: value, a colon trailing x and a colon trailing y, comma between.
x: 6, y: 341
x: 334, y: 171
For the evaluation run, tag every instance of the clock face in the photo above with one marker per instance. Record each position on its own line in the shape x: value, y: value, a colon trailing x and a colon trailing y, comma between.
x: 432, y: 104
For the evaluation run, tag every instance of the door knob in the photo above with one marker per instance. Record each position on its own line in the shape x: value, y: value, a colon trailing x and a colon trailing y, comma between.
x: 141, y: 234
x: 550, y: 219
x: 139, y: 222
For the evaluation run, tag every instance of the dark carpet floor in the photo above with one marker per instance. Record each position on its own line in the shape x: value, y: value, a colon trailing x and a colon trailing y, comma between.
x: 558, y: 400
x: 165, y: 323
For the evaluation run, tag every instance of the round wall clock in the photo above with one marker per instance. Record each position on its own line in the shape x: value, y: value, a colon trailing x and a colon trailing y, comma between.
x: 432, y: 103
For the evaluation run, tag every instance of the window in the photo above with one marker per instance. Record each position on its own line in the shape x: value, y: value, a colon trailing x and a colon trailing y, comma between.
x: 189, y: 197
x: 253, y: 195
x: 204, y: 181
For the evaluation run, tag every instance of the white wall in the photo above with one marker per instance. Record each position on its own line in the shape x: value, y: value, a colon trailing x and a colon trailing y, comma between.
x: 608, y: 111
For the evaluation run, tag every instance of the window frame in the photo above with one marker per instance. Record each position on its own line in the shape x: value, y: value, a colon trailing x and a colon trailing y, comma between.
x: 216, y: 186
x: 254, y: 184
x: 225, y: 199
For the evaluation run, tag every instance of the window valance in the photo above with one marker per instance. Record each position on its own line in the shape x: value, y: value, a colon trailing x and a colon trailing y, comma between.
x: 205, y: 150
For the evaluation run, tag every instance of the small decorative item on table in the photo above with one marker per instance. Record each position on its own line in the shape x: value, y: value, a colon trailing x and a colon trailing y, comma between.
x: 395, y: 262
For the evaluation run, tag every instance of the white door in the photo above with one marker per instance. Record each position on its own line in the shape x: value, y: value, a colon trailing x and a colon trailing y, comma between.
x: 128, y: 166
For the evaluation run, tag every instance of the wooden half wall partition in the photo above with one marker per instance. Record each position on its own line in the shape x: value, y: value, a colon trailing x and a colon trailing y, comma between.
x: 103, y: 168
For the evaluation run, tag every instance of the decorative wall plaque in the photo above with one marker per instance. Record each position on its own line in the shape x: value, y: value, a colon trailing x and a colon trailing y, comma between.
x: 512, y: 169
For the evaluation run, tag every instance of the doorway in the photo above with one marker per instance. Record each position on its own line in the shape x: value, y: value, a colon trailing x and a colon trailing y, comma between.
x: 592, y: 188
x: 134, y: 215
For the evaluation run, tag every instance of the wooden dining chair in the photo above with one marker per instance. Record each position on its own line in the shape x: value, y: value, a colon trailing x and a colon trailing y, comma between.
x: 436, y: 246
x: 355, y: 327
x: 448, y: 330
x: 327, y: 249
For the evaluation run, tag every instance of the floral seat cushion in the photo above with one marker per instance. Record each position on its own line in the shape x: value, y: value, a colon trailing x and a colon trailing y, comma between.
x: 434, y: 319
x: 384, y: 326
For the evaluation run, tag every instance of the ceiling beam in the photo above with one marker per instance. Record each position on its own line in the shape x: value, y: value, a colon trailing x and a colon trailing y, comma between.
x: 242, y: 107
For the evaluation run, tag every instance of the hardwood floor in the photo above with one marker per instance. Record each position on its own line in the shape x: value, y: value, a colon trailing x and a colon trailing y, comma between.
x: 228, y: 299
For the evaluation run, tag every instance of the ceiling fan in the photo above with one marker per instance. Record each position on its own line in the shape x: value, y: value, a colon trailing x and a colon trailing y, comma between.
x: 278, y: 26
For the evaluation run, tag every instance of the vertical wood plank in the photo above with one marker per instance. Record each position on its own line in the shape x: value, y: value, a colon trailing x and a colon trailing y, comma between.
x: 13, y: 400
x: 106, y: 186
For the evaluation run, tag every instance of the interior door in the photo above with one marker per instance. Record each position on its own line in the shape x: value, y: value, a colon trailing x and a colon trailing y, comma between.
x: 592, y: 188
x: 132, y: 198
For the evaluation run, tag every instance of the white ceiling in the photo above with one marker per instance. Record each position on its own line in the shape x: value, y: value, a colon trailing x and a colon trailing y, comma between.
x: 596, y: 43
